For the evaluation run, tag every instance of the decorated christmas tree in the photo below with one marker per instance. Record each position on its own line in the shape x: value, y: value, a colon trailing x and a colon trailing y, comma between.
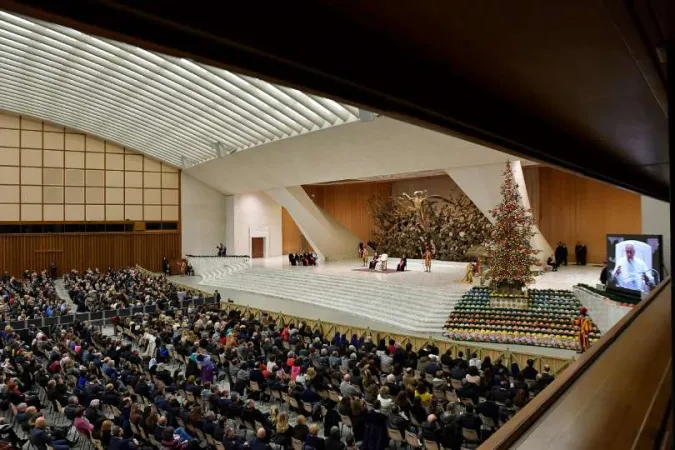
x: 510, y: 254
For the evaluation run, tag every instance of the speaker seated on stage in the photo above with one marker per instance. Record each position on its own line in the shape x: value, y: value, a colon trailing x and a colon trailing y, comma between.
x: 402, y: 264
x: 383, y: 261
x: 373, y: 262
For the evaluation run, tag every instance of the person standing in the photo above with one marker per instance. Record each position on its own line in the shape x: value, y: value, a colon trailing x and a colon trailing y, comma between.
x: 584, y: 251
x: 364, y: 254
x: 427, y: 259
x: 577, y: 254
x: 564, y: 254
x: 585, y: 326
x: 165, y: 266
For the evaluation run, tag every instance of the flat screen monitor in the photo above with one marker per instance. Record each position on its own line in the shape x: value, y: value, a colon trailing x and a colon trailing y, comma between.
x: 634, y: 262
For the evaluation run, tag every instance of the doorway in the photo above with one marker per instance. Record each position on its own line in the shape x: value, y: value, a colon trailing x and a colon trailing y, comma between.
x: 257, y: 247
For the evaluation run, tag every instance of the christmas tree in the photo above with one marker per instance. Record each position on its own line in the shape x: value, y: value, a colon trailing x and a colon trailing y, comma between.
x: 510, y: 254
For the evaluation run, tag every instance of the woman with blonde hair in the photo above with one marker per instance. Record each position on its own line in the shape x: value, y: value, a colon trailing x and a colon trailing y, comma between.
x: 409, y: 381
x: 385, y: 400
x: 284, y: 431
x: 274, y: 414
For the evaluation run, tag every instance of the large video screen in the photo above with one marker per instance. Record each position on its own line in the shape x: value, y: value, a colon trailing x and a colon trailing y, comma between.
x: 634, y: 262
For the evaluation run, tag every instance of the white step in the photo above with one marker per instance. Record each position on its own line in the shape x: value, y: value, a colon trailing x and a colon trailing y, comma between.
x: 406, y: 306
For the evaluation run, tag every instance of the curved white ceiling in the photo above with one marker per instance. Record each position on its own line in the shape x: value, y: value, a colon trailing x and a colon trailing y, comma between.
x: 173, y: 109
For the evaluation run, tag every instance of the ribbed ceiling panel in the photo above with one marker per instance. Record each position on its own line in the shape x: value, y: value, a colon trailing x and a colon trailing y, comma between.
x: 170, y: 108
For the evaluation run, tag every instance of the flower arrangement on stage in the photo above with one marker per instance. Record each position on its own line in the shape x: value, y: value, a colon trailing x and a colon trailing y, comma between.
x: 546, y: 323
x: 510, y: 253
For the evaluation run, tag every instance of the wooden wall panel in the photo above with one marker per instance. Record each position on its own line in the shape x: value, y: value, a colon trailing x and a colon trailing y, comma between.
x: 346, y: 203
x: 87, y: 250
x: 574, y: 208
x: 293, y: 240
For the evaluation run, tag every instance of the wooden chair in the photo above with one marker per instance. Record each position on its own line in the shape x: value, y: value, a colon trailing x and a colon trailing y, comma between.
x: 488, y: 423
x: 308, y: 407
x: 386, y: 368
x: 455, y: 383
x: 395, y: 435
x: 294, y: 403
x: 253, y: 386
x: 334, y: 396
x: 412, y: 439
x: 431, y: 445
x: 429, y: 377
x: 296, y: 444
x: 345, y: 421
x: 470, y: 437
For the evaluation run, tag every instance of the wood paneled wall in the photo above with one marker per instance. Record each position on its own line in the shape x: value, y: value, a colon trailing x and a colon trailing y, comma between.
x: 293, y: 240
x: 80, y: 251
x: 573, y: 208
x: 346, y: 203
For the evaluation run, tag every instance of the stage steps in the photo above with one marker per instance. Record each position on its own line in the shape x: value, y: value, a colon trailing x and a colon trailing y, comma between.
x: 211, y: 268
x: 408, y: 306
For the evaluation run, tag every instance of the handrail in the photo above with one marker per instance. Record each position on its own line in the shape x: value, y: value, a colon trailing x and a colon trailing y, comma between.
x: 520, y: 424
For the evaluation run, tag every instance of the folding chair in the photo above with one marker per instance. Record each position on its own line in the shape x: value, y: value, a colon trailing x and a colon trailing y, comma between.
x: 296, y: 444
x: 412, y: 439
x: 395, y: 435
x: 470, y: 437
x: 345, y: 421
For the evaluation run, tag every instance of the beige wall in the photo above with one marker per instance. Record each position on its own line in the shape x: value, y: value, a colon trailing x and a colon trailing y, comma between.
x: 52, y: 174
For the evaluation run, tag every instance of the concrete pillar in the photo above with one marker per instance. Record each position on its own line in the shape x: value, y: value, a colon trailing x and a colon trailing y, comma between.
x: 330, y: 239
x: 482, y: 184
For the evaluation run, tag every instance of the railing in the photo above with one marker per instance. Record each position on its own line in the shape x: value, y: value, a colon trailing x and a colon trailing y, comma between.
x: 616, y: 395
x: 329, y: 329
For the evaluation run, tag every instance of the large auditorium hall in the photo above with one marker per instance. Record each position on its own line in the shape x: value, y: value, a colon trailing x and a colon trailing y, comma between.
x: 209, y: 241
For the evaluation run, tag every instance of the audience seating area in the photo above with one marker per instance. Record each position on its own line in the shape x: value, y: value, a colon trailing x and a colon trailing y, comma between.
x: 201, y: 377
x: 213, y: 267
x: 546, y: 322
x: 407, y: 306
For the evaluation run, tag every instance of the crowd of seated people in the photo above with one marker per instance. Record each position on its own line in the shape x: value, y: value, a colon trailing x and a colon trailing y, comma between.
x: 128, y: 397
x: 30, y: 297
x: 95, y: 290
x: 302, y: 259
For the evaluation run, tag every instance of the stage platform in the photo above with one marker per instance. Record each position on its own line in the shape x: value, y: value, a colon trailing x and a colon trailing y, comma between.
x: 444, y: 279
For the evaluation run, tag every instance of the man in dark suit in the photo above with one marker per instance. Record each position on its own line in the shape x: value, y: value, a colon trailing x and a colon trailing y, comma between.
x: 251, y: 414
x: 470, y: 420
x: 431, y: 431
x: 117, y: 441
x: 259, y: 442
x: 40, y: 437
x: 546, y: 376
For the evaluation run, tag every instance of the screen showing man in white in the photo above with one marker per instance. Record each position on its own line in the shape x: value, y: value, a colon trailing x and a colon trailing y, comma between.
x: 631, y: 272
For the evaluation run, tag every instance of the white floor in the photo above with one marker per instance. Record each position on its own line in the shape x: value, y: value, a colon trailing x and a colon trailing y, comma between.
x: 444, y: 275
